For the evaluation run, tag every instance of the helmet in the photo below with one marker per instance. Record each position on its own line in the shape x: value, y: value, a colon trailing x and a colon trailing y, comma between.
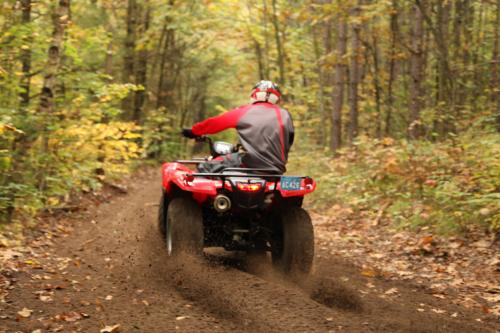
x: 266, y: 91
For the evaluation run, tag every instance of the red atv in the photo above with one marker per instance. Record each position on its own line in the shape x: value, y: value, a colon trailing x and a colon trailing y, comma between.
x: 239, y: 209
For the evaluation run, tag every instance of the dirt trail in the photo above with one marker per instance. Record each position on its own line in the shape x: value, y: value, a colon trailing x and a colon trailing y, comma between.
x: 115, y: 271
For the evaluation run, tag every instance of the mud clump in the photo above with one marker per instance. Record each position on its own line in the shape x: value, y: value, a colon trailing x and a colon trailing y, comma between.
x: 333, y: 293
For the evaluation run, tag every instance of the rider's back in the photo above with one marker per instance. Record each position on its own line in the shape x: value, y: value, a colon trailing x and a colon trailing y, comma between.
x: 265, y: 132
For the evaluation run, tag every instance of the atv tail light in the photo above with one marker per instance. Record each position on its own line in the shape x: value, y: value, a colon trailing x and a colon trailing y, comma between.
x: 189, y: 178
x: 308, y: 182
x: 246, y: 187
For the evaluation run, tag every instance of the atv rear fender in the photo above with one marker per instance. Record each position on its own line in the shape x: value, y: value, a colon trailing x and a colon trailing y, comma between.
x: 178, y: 176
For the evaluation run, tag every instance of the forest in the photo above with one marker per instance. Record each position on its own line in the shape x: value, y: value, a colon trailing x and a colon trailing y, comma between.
x: 395, y: 103
x: 396, y: 109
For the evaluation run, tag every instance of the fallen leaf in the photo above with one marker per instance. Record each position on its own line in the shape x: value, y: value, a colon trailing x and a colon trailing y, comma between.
x: 45, y: 298
x: 430, y: 182
x: 146, y: 303
x: 181, y: 317
x: 483, y: 243
x: 58, y: 328
x: 109, y: 298
x: 25, y: 312
x: 420, y: 310
x: 368, y: 272
x: 69, y: 316
x: 485, y: 309
x: 454, y: 315
x: 391, y: 291
x: 426, y: 243
x: 9, y: 254
x: 484, y: 211
x: 111, y: 329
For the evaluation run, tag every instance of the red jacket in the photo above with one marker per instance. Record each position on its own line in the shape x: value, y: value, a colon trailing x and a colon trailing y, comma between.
x: 266, y: 132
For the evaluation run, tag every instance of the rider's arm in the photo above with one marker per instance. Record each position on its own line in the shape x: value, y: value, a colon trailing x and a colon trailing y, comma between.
x: 219, y: 123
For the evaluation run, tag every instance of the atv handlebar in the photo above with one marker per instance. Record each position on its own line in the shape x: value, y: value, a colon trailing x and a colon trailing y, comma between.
x: 188, y: 133
x: 203, y: 139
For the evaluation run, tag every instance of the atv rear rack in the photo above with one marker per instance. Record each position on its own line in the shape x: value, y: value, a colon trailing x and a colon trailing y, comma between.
x: 195, y: 160
x: 241, y: 173
x: 223, y: 176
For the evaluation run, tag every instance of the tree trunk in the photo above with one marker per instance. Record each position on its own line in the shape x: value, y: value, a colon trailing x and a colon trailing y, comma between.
x: 260, y: 62
x: 457, y: 50
x: 376, y: 84
x: 339, y: 84
x: 440, y: 31
x: 416, y: 73
x: 60, y: 21
x: 142, y: 68
x: 392, y: 67
x: 26, y: 57
x: 321, y: 83
x: 467, y: 27
x: 279, y: 44
x: 129, y: 56
x: 163, y: 55
x: 479, y: 79
x: 55, y: 54
x: 494, y: 80
x: 354, y: 73
x: 445, y: 100
x: 266, y: 40
x: 111, y: 31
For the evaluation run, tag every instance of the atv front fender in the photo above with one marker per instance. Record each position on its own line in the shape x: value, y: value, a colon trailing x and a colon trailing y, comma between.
x: 174, y: 176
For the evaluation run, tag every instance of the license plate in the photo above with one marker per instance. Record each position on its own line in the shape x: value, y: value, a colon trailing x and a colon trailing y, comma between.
x: 290, y: 183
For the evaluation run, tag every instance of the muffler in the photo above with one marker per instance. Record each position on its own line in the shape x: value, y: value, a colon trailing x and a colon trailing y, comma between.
x: 222, y: 203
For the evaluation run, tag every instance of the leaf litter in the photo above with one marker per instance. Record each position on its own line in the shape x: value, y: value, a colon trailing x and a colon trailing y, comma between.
x: 462, y: 270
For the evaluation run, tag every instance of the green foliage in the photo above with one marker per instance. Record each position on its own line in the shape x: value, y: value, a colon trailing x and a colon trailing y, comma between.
x: 453, y: 186
x: 200, y: 58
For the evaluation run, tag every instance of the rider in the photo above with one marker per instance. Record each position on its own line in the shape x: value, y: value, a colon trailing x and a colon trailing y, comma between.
x: 265, y: 131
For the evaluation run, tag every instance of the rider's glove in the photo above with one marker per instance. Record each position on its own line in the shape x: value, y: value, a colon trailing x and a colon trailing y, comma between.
x: 188, y: 133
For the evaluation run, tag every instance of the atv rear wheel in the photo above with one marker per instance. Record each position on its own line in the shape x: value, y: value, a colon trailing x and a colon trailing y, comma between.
x: 292, y: 245
x: 162, y: 214
x: 184, y: 227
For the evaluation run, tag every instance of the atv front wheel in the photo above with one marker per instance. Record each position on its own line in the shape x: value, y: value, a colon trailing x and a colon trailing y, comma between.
x: 292, y: 245
x: 184, y: 227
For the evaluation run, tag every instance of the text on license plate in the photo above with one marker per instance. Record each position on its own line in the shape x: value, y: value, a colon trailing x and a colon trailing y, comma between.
x: 290, y: 183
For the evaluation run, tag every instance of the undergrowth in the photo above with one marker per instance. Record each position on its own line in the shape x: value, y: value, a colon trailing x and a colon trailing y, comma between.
x: 452, y: 187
